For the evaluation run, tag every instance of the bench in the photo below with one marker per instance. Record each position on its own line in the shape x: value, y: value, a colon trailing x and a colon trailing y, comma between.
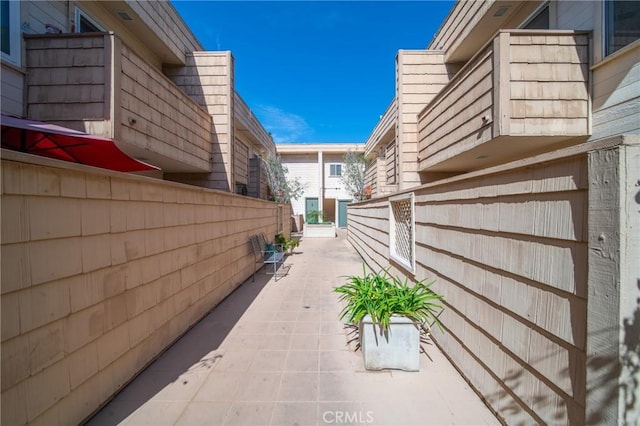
x: 266, y: 254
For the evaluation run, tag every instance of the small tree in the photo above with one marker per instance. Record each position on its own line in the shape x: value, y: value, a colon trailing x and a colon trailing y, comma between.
x: 353, y: 175
x: 283, y: 190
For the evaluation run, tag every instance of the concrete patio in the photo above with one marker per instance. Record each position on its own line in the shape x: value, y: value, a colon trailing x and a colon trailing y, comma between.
x: 275, y: 353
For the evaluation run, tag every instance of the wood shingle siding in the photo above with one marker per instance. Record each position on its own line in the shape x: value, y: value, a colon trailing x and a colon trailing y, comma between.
x: 508, y: 247
x: 72, y: 81
x: 531, y: 85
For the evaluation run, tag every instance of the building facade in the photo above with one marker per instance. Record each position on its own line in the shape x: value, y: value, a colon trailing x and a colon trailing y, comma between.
x: 506, y: 169
x: 319, y: 169
x: 134, y: 72
x: 102, y: 270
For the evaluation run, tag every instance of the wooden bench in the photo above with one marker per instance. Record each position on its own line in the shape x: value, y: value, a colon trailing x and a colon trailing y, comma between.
x: 266, y: 254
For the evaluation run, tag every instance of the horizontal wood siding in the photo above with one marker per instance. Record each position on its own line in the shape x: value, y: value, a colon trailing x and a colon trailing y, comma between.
x: 455, y: 118
x: 167, y: 120
x: 509, y: 252
x: 101, y: 271
x: 207, y: 78
x: 12, y: 92
x: 165, y: 22
x: 249, y: 125
x: 241, y: 160
x: 390, y: 161
x: 385, y: 125
x: 616, y: 95
x: 40, y: 13
x: 461, y: 20
x: 68, y: 81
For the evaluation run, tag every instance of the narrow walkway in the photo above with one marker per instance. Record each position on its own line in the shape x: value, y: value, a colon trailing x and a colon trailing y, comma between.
x: 274, y: 353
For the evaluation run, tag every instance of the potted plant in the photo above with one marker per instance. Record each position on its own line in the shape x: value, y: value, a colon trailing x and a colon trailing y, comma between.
x: 390, y: 314
x: 288, y: 244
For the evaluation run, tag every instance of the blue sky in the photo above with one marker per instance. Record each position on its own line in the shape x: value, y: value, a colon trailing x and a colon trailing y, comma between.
x: 315, y: 71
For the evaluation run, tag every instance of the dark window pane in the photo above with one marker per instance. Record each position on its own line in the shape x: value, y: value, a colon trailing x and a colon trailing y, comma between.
x: 5, y: 30
x: 540, y: 21
x: 622, y: 24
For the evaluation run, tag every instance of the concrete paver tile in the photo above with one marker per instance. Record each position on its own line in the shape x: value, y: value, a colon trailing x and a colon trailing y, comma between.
x: 259, y: 386
x: 305, y: 342
x: 333, y: 342
x: 275, y: 342
x: 204, y: 413
x: 405, y: 413
x: 275, y: 352
x: 279, y: 327
x: 307, y: 327
x: 249, y: 414
x: 302, y: 361
x: 266, y: 361
x: 285, y: 316
x: 343, y: 360
x: 157, y: 413
x: 294, y: 414
x: 341, y: 413
x: 335, y: 386
x: 298, y: 387
x: 332, y: 327
x: 219, y: 386
x: 235, y: 361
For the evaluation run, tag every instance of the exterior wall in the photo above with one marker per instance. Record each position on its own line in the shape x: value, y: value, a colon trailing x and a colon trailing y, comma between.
x: 208, y: 79
x: 616, y: 94
x: 613, y: 307
x: 241, y: 158
x: 509, y: 90
x: 164, y: 22
x: 101, y: 271
x: 69, y: 80
x: 305, y: 168
x: 420, y: 76
x: 508, y: 247
x: 97, y: 84
x: 310, y: 163
x: 12, y: 91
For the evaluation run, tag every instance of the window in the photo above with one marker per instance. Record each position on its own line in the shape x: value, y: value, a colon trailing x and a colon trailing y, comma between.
x: 84, y: 24
x: 335, y: 170
x: 621, y: 25
x: 10, y: 32
x: 402, y: 231
x: 540, y: 20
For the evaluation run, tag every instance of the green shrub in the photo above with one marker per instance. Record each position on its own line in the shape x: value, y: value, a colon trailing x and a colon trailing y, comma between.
x: 381, y: 295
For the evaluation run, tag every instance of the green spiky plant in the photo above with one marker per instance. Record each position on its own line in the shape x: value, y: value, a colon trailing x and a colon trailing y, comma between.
x: 381, y: 295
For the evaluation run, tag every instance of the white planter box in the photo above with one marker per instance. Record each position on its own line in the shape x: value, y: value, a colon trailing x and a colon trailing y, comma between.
x: 398, y: 349
x: 319, y: 230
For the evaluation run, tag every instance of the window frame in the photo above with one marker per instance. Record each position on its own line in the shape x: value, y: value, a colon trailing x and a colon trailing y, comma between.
x: 80, y: 14
x: 14, y: 57
x: 607, y: 24
x: 336, y: 165
x: 408, y: 264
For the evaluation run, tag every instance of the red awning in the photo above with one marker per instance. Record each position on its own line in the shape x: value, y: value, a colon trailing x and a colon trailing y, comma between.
x: 61, y: 143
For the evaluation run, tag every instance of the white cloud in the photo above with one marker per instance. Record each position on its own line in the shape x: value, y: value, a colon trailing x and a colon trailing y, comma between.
x: 283, y: 126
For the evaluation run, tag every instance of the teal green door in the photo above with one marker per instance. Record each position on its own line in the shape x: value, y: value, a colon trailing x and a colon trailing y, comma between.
x: 342, y: 213
x: 310, y: 204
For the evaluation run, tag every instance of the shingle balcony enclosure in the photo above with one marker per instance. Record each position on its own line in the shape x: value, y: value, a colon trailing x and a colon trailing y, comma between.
x: 95, y: 83
x: 524, y: 93
x: 275, y: 353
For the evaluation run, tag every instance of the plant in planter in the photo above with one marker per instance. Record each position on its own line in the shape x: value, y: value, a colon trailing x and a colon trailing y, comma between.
x: 287, y: 244
x: 314, y: 217
x: 389, y: 314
